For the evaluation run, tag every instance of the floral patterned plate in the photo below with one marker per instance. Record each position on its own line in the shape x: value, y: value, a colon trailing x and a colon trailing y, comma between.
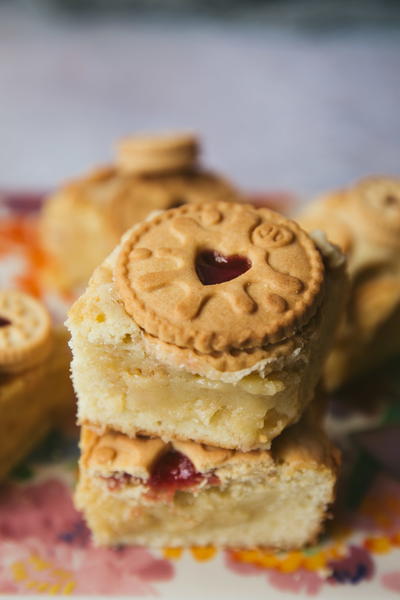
x: 45, y: 546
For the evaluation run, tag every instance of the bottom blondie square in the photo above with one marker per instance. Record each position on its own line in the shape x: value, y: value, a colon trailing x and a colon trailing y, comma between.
x: 146, y: 491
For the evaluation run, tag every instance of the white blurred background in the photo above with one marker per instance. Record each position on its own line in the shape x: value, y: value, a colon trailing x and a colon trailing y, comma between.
x: 283, y: 100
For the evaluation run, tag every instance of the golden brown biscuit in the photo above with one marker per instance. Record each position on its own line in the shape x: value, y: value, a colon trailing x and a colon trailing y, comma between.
x: 25, y: 331
x: 164, y: 264
x: 158, y: 154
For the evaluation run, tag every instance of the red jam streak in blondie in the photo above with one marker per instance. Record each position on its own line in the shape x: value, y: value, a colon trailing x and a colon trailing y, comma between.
x: 172, y: 472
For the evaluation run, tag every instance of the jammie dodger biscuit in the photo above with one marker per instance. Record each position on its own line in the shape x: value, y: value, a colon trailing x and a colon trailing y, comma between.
x: 25, y: 331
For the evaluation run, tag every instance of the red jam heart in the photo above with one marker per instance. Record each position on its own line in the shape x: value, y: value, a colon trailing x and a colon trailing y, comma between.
x: 213, y: 267
x: 4, y: 322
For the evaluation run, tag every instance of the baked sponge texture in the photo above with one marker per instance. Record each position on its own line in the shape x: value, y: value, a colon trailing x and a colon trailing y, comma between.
x: 144, y: 491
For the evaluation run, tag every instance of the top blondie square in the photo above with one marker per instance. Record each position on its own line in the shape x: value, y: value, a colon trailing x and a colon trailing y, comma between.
x: 208, y: 322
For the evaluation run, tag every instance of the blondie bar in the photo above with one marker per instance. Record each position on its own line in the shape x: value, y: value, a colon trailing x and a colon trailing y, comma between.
x: 364, y: 220
x: 207, y: 323
x: 146, y: 491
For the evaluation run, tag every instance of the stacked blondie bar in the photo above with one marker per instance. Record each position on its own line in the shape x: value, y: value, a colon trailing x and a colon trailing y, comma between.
x: 197, y: 349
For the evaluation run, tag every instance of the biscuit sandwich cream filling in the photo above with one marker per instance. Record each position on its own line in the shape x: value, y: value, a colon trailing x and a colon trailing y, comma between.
x: 143, y: 490
x: 207, y: 323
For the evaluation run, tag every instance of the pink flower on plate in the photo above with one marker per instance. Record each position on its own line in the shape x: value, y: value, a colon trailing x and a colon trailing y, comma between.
x: 40, y: 509
x: 391, y: 581
x: 301, y: 580
x: 127, y: 570
x: 33, y: 566
x: 45, y: 548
